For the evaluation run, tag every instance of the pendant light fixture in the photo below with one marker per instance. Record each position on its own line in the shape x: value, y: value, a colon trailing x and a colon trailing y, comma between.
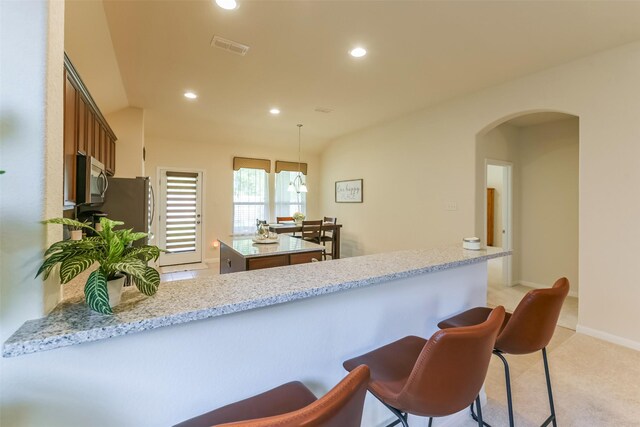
x: 298, y: 185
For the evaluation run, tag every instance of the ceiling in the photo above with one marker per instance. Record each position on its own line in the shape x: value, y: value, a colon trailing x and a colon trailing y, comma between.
x: 538, y: 119
x: 420, y: 53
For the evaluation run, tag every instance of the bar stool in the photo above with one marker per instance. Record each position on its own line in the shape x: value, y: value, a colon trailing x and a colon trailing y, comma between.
x: 435, y: 377
x: 293, y: 405
x: 527, y: 330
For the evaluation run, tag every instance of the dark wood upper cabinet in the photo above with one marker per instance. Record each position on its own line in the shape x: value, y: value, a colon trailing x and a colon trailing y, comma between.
x: 82, y: 126
x: 70, y: 142
x: 86, y: 132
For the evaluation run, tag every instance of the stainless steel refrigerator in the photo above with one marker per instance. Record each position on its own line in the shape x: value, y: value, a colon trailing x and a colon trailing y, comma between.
x: 132, y: 201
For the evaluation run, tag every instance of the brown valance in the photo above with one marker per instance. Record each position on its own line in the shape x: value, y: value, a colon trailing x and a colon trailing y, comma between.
x: 290, y: 167
x: 248, y: 163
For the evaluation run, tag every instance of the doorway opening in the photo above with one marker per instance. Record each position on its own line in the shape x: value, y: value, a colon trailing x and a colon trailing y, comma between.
x: 527, y: 187
x: 498, y: 224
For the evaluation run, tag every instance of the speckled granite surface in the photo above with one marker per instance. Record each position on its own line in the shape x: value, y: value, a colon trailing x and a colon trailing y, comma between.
x: 71, y: 322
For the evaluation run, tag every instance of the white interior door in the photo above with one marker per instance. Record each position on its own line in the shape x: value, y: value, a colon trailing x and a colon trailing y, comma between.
x: 180, y: 217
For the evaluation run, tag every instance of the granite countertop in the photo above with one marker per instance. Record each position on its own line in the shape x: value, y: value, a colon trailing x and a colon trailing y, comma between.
x: 246, y: 247
x: 72, y: 322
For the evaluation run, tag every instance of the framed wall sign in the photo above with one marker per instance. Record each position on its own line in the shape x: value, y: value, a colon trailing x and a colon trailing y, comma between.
x: 349, y: 191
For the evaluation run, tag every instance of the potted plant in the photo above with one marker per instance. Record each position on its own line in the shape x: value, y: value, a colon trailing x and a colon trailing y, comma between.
x: 116, y: 257
x: 298, y: 217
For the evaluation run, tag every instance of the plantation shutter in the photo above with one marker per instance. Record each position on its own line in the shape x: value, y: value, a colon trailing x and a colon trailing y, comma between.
x: 181, y: 212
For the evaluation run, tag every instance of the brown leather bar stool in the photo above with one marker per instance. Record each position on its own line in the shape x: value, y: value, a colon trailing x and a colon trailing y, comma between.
x: 527, y: 330
x: 293, y: 405
x: 435, y: 377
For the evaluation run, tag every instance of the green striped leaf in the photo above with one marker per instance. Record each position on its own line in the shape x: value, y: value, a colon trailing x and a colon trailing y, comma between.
x: 69, y: 222
x: 116, y: 248
x: 145, y: 253
x: 70, y: 245
x: 149, y: 282
x: 71, y: 267
x: 134, y: 266
x: 95, y: 293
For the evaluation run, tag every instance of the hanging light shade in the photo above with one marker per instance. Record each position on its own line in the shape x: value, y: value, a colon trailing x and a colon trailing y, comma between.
x: 298, y: 185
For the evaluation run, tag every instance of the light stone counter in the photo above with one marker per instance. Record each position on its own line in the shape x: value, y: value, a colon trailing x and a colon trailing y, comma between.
x: 71, y: 322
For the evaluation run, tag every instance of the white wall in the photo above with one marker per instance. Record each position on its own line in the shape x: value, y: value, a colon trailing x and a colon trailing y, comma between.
x: 418, y: 162
x: 216, y: 160
x: 31, y: 93
x: 495, y: 177
x: 128, y: 125
x: 548, y: 210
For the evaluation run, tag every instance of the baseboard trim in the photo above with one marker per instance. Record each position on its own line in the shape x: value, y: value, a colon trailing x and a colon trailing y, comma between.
x: 605, y: 336
x: 572, y: 292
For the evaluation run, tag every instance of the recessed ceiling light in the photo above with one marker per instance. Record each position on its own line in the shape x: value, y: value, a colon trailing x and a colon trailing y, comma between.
x: 227, y: 4
x: 358, y: 52
x: 190, y: 95
x: 274, y: 111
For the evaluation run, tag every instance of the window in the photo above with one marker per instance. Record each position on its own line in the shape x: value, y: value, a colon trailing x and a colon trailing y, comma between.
x: 288, y: 202
x: 250, y: 199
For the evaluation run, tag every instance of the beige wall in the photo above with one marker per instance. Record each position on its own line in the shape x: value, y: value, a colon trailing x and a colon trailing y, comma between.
x: 128, y: 125
x: 87, y: 41
x: 412, y: 165
x: 216, y: 161
x: 548, y: 211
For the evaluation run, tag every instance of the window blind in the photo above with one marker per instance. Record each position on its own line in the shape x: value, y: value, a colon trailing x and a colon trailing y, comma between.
x: 250, y: 199
x: 288, y: 202
x: 181, y: 215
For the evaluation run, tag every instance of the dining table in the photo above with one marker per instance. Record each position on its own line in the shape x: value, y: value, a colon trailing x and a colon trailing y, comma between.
x: 292, y: 227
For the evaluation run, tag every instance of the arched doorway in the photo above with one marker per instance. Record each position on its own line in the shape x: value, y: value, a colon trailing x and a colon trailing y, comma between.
x: 527, y: 202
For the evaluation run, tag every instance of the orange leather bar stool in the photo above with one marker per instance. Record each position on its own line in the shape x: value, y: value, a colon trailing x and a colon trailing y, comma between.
x: 527, y: 330
x: 435, y: 377
x: 293, y: 405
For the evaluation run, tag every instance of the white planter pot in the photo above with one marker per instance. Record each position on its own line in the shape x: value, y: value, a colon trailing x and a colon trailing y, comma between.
x: 114, y: 288
x: 76, y: 234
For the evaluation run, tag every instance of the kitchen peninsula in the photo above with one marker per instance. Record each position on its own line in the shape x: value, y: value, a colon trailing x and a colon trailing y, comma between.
x: 222, y: 338
x: 243, y: 254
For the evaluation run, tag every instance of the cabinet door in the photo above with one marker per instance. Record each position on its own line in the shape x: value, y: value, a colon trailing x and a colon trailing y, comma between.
x: 103, y: 145
x: 96, y: 138
x: 111, y: 158
x: 90, y: 136
x: 82, y: 125
x: 70, y: 142
x: 107, y: 157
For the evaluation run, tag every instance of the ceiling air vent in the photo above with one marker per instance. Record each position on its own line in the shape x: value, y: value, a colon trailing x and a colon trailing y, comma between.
x: 230, y: 45
x: 323, y: 110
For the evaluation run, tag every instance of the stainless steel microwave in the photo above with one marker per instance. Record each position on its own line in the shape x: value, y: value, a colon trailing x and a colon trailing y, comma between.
x: 92, y: 181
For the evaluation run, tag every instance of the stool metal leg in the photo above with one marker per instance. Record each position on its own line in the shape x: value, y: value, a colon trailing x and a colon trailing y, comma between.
x: 430, y: 421
x: 475, y: 417
x: 552, y: 417
x: 402, y: 417
x: 507, y: 378
x: 480, y: 422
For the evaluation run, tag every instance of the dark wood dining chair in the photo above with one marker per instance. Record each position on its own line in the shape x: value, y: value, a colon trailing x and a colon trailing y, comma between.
x: 294, y: 405
x: 328, y: 235
x: 286, y: 219
x: 435, y: 377
x: 311, y: 231
x: 281, y: 219
x: 527, y: 330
